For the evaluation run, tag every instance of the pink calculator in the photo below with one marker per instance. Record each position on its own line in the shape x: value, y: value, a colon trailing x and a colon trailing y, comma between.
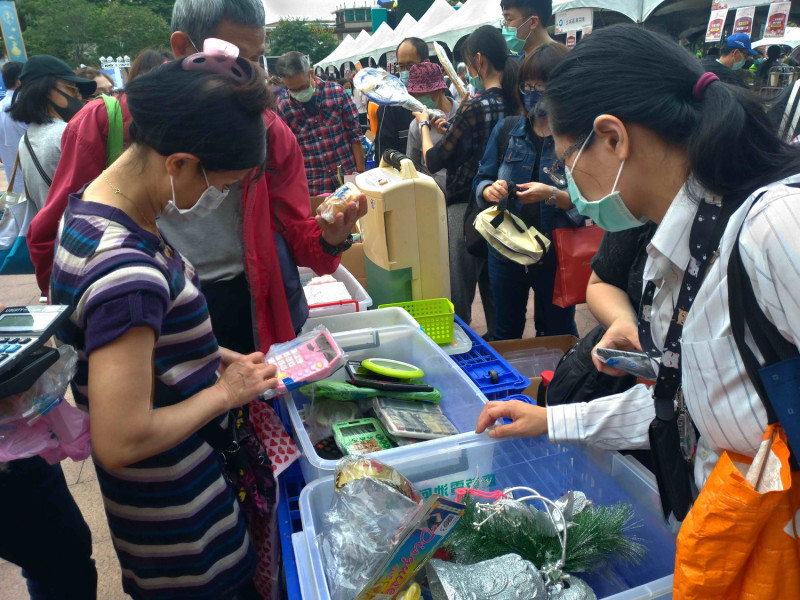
x: 305, y: 362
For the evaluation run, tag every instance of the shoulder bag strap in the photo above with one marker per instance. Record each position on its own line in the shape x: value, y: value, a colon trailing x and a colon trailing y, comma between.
x: 13, y: 174
x: 116, y: 129
x: 36, y: 162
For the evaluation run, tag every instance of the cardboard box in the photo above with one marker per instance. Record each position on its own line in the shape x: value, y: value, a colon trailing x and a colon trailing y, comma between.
x: 353, y: 261
x: 514, y: 350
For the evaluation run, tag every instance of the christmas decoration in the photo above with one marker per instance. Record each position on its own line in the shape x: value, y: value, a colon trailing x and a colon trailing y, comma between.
x: 507, y: 577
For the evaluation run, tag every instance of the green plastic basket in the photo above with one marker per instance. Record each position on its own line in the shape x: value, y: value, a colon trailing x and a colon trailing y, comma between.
x: 434, y: 316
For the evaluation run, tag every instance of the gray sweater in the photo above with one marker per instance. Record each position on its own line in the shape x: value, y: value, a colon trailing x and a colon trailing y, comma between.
x: 46, y: 142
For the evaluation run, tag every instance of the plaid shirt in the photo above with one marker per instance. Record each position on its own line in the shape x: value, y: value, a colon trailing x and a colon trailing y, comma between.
x: 326, y: 138
x: 462, y: 147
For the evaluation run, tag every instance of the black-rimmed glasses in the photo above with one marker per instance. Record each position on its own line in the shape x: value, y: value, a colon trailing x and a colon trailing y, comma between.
x: 557, y: 172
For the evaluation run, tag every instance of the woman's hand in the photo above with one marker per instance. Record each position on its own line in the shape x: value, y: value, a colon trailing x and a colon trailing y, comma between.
x: 623, y: 334
x: 336, y: 233
x: 245, y: 379
x: 531, y: 193
x: 495, y: 192
x: 440, y: 125
x: 228, y: 357
x: 422, y: 115
x: 529, y: 420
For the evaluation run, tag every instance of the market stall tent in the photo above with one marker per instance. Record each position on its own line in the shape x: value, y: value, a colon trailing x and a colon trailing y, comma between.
x: 439, y: 12
x: 467, y: 19
x: 791, y: 38
x: 379, y: 39
x: 406, y: 24
x: 636, y: 10
x: 347, y: 44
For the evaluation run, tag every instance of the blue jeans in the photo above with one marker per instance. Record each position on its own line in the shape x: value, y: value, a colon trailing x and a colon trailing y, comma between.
x: 42, y: 530
x: 511, y: 284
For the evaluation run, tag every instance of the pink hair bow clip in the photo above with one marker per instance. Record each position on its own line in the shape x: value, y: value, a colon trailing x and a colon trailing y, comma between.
x: 218, y: 57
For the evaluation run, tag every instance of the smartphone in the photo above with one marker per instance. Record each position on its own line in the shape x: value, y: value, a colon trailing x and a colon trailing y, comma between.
x: 637, y: 364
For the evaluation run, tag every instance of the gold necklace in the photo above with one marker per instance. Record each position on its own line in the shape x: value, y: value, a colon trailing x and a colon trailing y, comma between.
x: 163, y: 245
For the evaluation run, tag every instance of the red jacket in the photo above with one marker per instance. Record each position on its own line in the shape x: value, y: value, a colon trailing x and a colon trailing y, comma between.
x: 278, y: 201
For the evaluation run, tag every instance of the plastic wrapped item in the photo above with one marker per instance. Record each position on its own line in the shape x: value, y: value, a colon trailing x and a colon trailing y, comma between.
x: 319, y: 417
x: 338, y: 201
x: 40, y: 422
x: 386, y: 89
x: 371, y: 504
x: 310, y: 357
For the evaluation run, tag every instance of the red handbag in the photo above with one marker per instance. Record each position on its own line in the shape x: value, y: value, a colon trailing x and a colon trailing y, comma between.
x: 575, y: 249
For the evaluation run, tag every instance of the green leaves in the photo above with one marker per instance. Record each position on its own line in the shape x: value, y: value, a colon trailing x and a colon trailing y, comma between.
x: 302, y: 36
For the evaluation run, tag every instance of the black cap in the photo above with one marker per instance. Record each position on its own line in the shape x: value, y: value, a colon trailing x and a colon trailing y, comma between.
x: 44, y: 65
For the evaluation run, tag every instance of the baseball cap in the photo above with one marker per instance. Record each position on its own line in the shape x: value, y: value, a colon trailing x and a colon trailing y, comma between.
x: 425, y: 77
x: 43, y: 65
x: 740, y: 41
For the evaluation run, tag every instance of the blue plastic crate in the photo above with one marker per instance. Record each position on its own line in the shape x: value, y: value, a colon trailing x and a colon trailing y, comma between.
x: 481, y: 360
x: 521, y: 398
x: 291, y: 483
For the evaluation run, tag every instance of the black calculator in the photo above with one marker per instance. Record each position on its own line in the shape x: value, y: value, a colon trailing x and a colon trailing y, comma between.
x: 24, y: 329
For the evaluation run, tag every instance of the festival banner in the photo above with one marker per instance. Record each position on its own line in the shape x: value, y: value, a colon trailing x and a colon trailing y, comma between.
x: 572, y: 39
x: 777, y: 19
x: 573, y: 20
x: 731, y: 4
x: 12, y: 35
x: 743, y: 23
x: 715, y: 25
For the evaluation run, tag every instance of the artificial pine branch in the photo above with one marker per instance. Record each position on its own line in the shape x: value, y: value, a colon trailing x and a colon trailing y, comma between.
x: 598, y: 533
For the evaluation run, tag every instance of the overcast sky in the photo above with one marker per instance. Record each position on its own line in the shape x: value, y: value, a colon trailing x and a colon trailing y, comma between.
x: 309, y: 9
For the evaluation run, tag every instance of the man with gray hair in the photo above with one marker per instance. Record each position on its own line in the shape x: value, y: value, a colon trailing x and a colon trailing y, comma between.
x: 325, y: 121
x: 217, y: 245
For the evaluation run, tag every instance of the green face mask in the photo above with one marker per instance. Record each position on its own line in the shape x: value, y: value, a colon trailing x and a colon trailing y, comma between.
x: 303, y: 96
x: 427, y: 101
x: 349, y: 92
x: 610, y: 212
x: 512, y: 41
x: 476, y: 82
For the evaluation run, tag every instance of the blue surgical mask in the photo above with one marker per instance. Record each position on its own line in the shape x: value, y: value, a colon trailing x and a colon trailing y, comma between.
x: 610, y: 212
x: 403, y: 77
x: 512, y: 41
x: 531, y: 99
x: 349, y: 92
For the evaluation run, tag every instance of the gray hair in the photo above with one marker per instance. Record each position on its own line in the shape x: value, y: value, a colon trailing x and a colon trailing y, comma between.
x: 199, y: 19
x: 292, y: 63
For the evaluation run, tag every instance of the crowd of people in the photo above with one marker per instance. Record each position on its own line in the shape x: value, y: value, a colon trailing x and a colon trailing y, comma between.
x: 179, y: 252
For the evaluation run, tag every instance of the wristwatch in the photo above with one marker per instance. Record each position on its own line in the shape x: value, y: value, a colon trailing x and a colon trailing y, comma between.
x: 336, y: 250
x: 551, y: 201
x: 428, y: 123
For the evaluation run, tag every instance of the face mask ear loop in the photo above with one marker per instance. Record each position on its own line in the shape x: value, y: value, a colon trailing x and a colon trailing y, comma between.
x: 206, y: 176
x: 172, y: 185
x: 580, y: 152
x: 619, y: 174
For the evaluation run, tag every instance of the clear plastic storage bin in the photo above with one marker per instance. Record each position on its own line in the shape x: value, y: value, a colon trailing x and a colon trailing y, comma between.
x: 360, y: 302
x: 373, y: 319
x: 606, y: 477
x: 462, y: 401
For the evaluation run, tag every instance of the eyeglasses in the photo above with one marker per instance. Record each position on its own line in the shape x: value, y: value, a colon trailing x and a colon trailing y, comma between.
x: 73, y: 89
x: 558, y: 172
x: 404, y: 66
x: 526, y: 87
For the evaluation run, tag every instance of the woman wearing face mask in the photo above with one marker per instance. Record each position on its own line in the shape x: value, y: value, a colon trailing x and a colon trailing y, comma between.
x: 527, y: 152
x: 459, y: 151
x: 50, y: 95
x: 644, y: 144
x: 426, y: 83
x: 142, y: 329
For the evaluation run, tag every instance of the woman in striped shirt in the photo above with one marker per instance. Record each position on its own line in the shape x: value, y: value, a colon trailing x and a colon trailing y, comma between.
x: 151, y: 372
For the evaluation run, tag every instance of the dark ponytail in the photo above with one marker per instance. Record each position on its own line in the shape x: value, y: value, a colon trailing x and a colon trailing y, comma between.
x: 645, y: 78
x: 489, y: 42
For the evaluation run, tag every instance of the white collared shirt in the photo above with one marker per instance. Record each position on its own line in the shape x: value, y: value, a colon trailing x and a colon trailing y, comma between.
x: 721, y: 400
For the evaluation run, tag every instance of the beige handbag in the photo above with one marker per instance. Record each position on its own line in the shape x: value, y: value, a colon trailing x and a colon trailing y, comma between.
x: 509, y: 235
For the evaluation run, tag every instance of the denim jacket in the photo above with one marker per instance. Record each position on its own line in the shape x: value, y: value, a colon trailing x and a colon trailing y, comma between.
x: 517, y: 165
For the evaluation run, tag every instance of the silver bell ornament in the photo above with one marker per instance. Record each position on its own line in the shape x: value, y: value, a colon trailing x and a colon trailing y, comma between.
x: 507, y: 577
x: 577, y: 590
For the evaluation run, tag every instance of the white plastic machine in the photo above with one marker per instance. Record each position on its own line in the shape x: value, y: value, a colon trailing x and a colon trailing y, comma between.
x: 405, y: 233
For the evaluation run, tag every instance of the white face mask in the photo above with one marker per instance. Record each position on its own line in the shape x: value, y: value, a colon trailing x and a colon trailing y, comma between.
x: 205, y: 205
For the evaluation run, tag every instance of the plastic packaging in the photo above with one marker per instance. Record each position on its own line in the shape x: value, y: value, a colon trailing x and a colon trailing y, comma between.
x: 372, y: 502
x: 338, y: 201
x: 386, y: 89
x: 310, y: 357
x: 40, y: 422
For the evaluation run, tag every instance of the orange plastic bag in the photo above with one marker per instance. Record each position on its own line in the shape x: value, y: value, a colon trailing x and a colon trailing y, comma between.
x: 741, y: 540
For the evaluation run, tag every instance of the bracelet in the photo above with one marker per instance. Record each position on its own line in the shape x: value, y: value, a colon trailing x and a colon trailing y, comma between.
x: 551, y: 201
x: 428, y: 123
x: 336, y: 250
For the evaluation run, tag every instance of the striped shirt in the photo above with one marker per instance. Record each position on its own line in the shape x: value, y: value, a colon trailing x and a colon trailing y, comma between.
x: 719, y: 395
x: 174, y: 520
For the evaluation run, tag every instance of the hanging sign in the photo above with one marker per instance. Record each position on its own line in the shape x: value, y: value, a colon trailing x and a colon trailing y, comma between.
x: 585, y: 30
x: 743, y: 23
x: 731, y: 4
x: 12, y: 35
x: 573, y: 20
x: 777, y: 18
x: 715, y: 25
x: 572, y: 39
x: 391, y: 61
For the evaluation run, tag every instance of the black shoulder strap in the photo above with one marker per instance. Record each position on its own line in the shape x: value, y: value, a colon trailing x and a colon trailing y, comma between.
x: 745, y: 310
x: 36, y: 162
x: 505, y: 134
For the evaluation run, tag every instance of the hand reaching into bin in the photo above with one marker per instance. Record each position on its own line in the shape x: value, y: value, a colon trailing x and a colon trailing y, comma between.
x: 528, y: 420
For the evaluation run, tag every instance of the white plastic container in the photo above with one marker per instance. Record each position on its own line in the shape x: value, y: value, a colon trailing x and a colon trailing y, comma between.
x: 606, y: 477
x: 461, y: 402
x: 361, y: 299
x: 373, y: 319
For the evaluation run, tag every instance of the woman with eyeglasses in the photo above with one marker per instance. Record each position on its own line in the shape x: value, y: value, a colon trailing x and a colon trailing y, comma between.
x: 663, y: 141
x: 50, y: 95
x: 158, y: 388
x: 521, y: 150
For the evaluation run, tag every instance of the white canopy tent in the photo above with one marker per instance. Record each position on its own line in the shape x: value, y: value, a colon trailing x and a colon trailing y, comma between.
x: 343, y: 48
x: 474, y: 14
x: 350, y: 53
x: 439, y: 12
x: 377, y: 40
x: 406, y: 24
x: 636, y: 10
x: 791, y: 38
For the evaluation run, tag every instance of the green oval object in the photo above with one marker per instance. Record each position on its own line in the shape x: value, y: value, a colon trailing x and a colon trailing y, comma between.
x: 393, y: 368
